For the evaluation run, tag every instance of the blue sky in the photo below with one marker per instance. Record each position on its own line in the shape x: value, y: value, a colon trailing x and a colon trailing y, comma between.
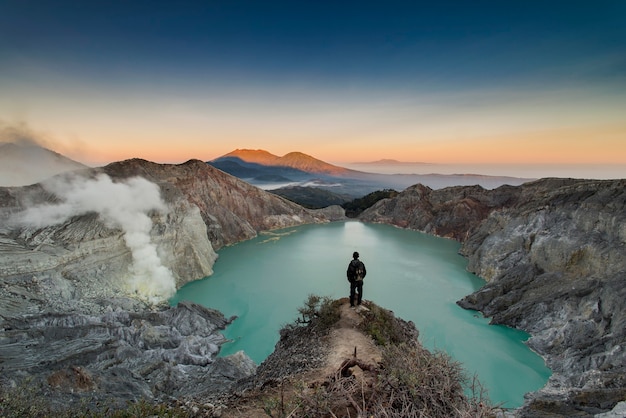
x: 430, y: 80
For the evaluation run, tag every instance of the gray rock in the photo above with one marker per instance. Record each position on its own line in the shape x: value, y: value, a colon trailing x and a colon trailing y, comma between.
x: 153, y: 354
x: 553, y: 253
x: 618, y: 412
x: 71, y: 322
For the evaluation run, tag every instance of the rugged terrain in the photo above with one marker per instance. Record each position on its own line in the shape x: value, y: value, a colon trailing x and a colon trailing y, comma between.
x: 343, y: 362
x: 74, y: 325
x: 553, y: 253
x: 73, y: 321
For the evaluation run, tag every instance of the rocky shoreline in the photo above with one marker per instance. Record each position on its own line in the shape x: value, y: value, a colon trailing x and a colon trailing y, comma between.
x: 553, y: 254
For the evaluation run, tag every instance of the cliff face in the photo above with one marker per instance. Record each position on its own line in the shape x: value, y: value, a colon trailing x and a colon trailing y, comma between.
x: 77, y: 251
x: 553, y: 254
x: 231, y: 209
x: 205, y: 209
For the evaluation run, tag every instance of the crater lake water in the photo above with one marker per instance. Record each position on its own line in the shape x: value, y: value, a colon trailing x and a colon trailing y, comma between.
x: 419, y: 277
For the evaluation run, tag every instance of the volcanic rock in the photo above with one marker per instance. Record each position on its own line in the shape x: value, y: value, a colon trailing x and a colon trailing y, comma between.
x: 69, y: 321
x: 553, y: 253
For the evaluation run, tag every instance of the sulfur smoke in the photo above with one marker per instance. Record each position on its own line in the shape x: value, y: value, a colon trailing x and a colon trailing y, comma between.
x: 124, y: 205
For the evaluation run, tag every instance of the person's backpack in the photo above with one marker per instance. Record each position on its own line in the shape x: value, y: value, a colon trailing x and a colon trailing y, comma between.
x: 359, y: 273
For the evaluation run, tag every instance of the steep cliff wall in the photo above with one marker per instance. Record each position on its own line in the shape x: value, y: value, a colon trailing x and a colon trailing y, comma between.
x: 553, y: 253
x: 84, y: 257
x: 232, y: 209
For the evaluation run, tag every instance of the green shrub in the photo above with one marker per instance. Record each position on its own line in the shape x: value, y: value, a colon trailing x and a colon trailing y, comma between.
x: 384, y: 327
x: 320, y: 312
x: 357, y: 206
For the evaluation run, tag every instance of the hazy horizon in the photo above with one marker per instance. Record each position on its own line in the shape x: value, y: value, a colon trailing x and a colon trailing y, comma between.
x: 524, y: 171
x: 530, y: 171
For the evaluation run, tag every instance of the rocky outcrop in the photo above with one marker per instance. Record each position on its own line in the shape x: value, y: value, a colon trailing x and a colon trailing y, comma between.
x: 344, y: 362
x: 70, y: 307
x: 553, y: 255
x: 121, y: 355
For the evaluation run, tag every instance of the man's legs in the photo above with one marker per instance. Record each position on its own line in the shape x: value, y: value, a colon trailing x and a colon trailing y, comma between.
x: 352, y: 288
x: 359, y: 286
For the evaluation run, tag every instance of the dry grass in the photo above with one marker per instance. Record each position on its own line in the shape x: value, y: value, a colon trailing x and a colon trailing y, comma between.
x: 410, y: 381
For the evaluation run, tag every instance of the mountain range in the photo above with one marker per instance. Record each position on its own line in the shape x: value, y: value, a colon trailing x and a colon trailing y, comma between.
x: 28, y: 163
x: 271, y: 172
x: 295, y: 160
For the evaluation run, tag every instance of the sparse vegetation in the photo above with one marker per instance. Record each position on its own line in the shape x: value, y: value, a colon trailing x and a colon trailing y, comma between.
x: 409, y: 381
x: 357, y: 206
x: 385, y: 328
x: 413, y: 382
x: 319, y: 311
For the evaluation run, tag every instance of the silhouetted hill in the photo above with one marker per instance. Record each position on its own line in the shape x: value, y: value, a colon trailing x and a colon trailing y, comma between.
x: 247, y: 170
x: 297, y: 160
x: 311, y: 197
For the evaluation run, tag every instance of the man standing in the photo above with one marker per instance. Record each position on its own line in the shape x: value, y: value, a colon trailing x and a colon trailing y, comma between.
x: 356, y: 273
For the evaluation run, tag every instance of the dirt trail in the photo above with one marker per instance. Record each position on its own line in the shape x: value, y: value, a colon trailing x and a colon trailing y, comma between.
x: 346, y: 337
x: 340, y: 343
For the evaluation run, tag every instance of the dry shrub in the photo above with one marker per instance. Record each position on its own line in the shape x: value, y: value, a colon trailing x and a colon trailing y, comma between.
x: 414, y: 382
x: 73, y: 379
x: 409, y: 382
x: 384, y: 328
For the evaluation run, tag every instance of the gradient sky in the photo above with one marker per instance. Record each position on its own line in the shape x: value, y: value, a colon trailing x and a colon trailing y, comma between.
x: 439, y: 81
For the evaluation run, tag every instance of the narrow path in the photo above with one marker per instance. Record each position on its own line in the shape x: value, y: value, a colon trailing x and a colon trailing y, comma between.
x: 346, y: 337
x: 341, y: 343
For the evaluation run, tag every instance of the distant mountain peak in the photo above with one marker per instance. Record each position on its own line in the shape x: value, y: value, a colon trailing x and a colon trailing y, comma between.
x: 295, y: 159
x: 258, y: 156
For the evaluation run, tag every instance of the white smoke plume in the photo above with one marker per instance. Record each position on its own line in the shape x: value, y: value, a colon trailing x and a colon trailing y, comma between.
x: 124, y: 205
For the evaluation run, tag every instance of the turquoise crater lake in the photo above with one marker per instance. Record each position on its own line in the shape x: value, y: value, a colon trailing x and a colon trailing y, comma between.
x: 263, y: 281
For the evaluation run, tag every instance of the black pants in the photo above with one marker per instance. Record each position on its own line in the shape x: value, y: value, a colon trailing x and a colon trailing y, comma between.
x: 356, y: 285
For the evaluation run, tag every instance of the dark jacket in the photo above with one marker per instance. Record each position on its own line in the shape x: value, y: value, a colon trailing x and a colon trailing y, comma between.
x: 352, y: 268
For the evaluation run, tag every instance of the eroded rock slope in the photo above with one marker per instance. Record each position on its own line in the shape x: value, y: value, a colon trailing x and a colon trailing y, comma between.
x: 553, y: 253
x: 72, y: 319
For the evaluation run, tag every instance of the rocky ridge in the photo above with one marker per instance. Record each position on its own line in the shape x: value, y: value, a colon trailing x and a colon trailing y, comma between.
x: 553, y: 255
x: 70, y: 323
x: 344, y: 362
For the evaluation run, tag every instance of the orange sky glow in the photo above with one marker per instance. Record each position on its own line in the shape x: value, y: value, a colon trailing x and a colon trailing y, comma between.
x: 416, y: 82
x: 556, y: 128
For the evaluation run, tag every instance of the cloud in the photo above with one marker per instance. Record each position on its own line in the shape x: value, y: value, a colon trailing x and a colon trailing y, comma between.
x: 124, y: 205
